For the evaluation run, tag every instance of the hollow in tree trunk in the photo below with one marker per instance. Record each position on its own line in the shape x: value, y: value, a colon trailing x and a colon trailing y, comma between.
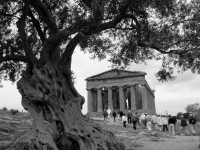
x: 49, y: 95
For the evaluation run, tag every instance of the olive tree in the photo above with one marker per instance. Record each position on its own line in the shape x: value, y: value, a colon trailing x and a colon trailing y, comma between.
x: 39, y: 37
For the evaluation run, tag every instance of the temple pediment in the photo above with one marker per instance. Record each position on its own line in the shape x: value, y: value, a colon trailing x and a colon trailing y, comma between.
x: 115, y: 73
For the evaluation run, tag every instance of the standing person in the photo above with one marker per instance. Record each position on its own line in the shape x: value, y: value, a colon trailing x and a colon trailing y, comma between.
x: 159, y: 121
x: 145, y: 121
x: 171, y: 123
x: 105, y: 114
x: 121, y: 114
x: 108, y: 111
x: 129, y: 115
x: 114, y: 115
x: 154, y: 122
x: 148, y: 118
x: 134, y: 120
x: 175, y: 118
x: 138, y: 118
x: 192, y: 122
x: 118, y: 114
x: 124, y: 120
x: 142, y: 118
x: 183, y: 125
x: 165, y: 122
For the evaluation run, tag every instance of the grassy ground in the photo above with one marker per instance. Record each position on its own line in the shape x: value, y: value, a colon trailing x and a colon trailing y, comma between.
x: 178, y: 130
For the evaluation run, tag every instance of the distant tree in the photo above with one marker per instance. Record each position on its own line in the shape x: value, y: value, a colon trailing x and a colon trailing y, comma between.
x: 39, y: 37
x: 192, y: 108
x: 14, y: 111
x: 197, y: 115
x: 179, y: 115
x: 5, y: 108
x: 186, y: 115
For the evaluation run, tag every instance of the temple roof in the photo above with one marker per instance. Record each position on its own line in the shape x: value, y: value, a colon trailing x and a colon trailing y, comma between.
x: 115, y: 73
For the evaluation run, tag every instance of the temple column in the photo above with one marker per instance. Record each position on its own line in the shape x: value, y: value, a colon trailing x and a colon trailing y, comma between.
x: 133, y: 99
x: 144, y: 97
x: 99, y: 101
x: 90, y: 101
x: 110, y: 100
x: 121, y: 98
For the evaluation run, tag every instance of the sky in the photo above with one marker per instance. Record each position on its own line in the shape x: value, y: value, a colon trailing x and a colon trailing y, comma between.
x: 171, y: 96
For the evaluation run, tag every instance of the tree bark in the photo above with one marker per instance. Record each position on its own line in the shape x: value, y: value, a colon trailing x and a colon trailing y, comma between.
x: 55, y: 105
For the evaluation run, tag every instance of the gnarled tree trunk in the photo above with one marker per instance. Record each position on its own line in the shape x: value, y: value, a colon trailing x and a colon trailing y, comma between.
x: 55, y: 105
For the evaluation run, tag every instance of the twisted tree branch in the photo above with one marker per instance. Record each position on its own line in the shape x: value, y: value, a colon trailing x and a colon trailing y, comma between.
x: 66, y: 57
x: 45, y: 14
x: 21, y: 28
x: 153, y: 46
x: 14, y: 58
x: 37, y: 25
x: 53, y: 42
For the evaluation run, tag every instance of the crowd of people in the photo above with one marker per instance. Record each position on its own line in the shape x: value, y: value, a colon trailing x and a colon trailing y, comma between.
x: 152, y: 122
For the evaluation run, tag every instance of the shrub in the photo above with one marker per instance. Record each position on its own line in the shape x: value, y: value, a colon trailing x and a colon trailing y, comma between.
x: 14, y: 111
x: 179, y: 115
x: 5, y: 109
x: 186, y: 115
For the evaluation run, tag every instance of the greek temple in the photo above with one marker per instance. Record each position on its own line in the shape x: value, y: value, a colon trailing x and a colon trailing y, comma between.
x: 119, y: 89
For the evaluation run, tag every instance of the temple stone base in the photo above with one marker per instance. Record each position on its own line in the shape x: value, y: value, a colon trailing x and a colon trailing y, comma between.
x: 100, y: 114
x: 140, y: 111
x: 95, y: 114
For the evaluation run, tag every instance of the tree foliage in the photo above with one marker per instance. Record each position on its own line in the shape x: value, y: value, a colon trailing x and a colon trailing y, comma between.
x: 186, y: 115
x: 197, y: 114
x: 192, y: 108
x: 14, y: 111
x: 179, y: 115
x: 124, y: 30
x: 5, y: 108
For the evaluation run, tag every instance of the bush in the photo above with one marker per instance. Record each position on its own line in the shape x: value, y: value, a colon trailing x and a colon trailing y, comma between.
x: 179, y: 115
x: 5, y: 109
x: 14, y: 111
x: 186, y: 115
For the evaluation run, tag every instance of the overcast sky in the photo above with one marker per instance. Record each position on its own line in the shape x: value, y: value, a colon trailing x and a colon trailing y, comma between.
x: 172, y: 96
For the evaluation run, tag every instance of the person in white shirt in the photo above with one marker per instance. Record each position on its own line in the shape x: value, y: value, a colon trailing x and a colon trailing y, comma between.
x: 165, y: 123
x: 124, y: 120
x: 108, y: 111
x: 148, y: 118
x: 159, y: 121
x: 143, y: 118
x: 154, y: 122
